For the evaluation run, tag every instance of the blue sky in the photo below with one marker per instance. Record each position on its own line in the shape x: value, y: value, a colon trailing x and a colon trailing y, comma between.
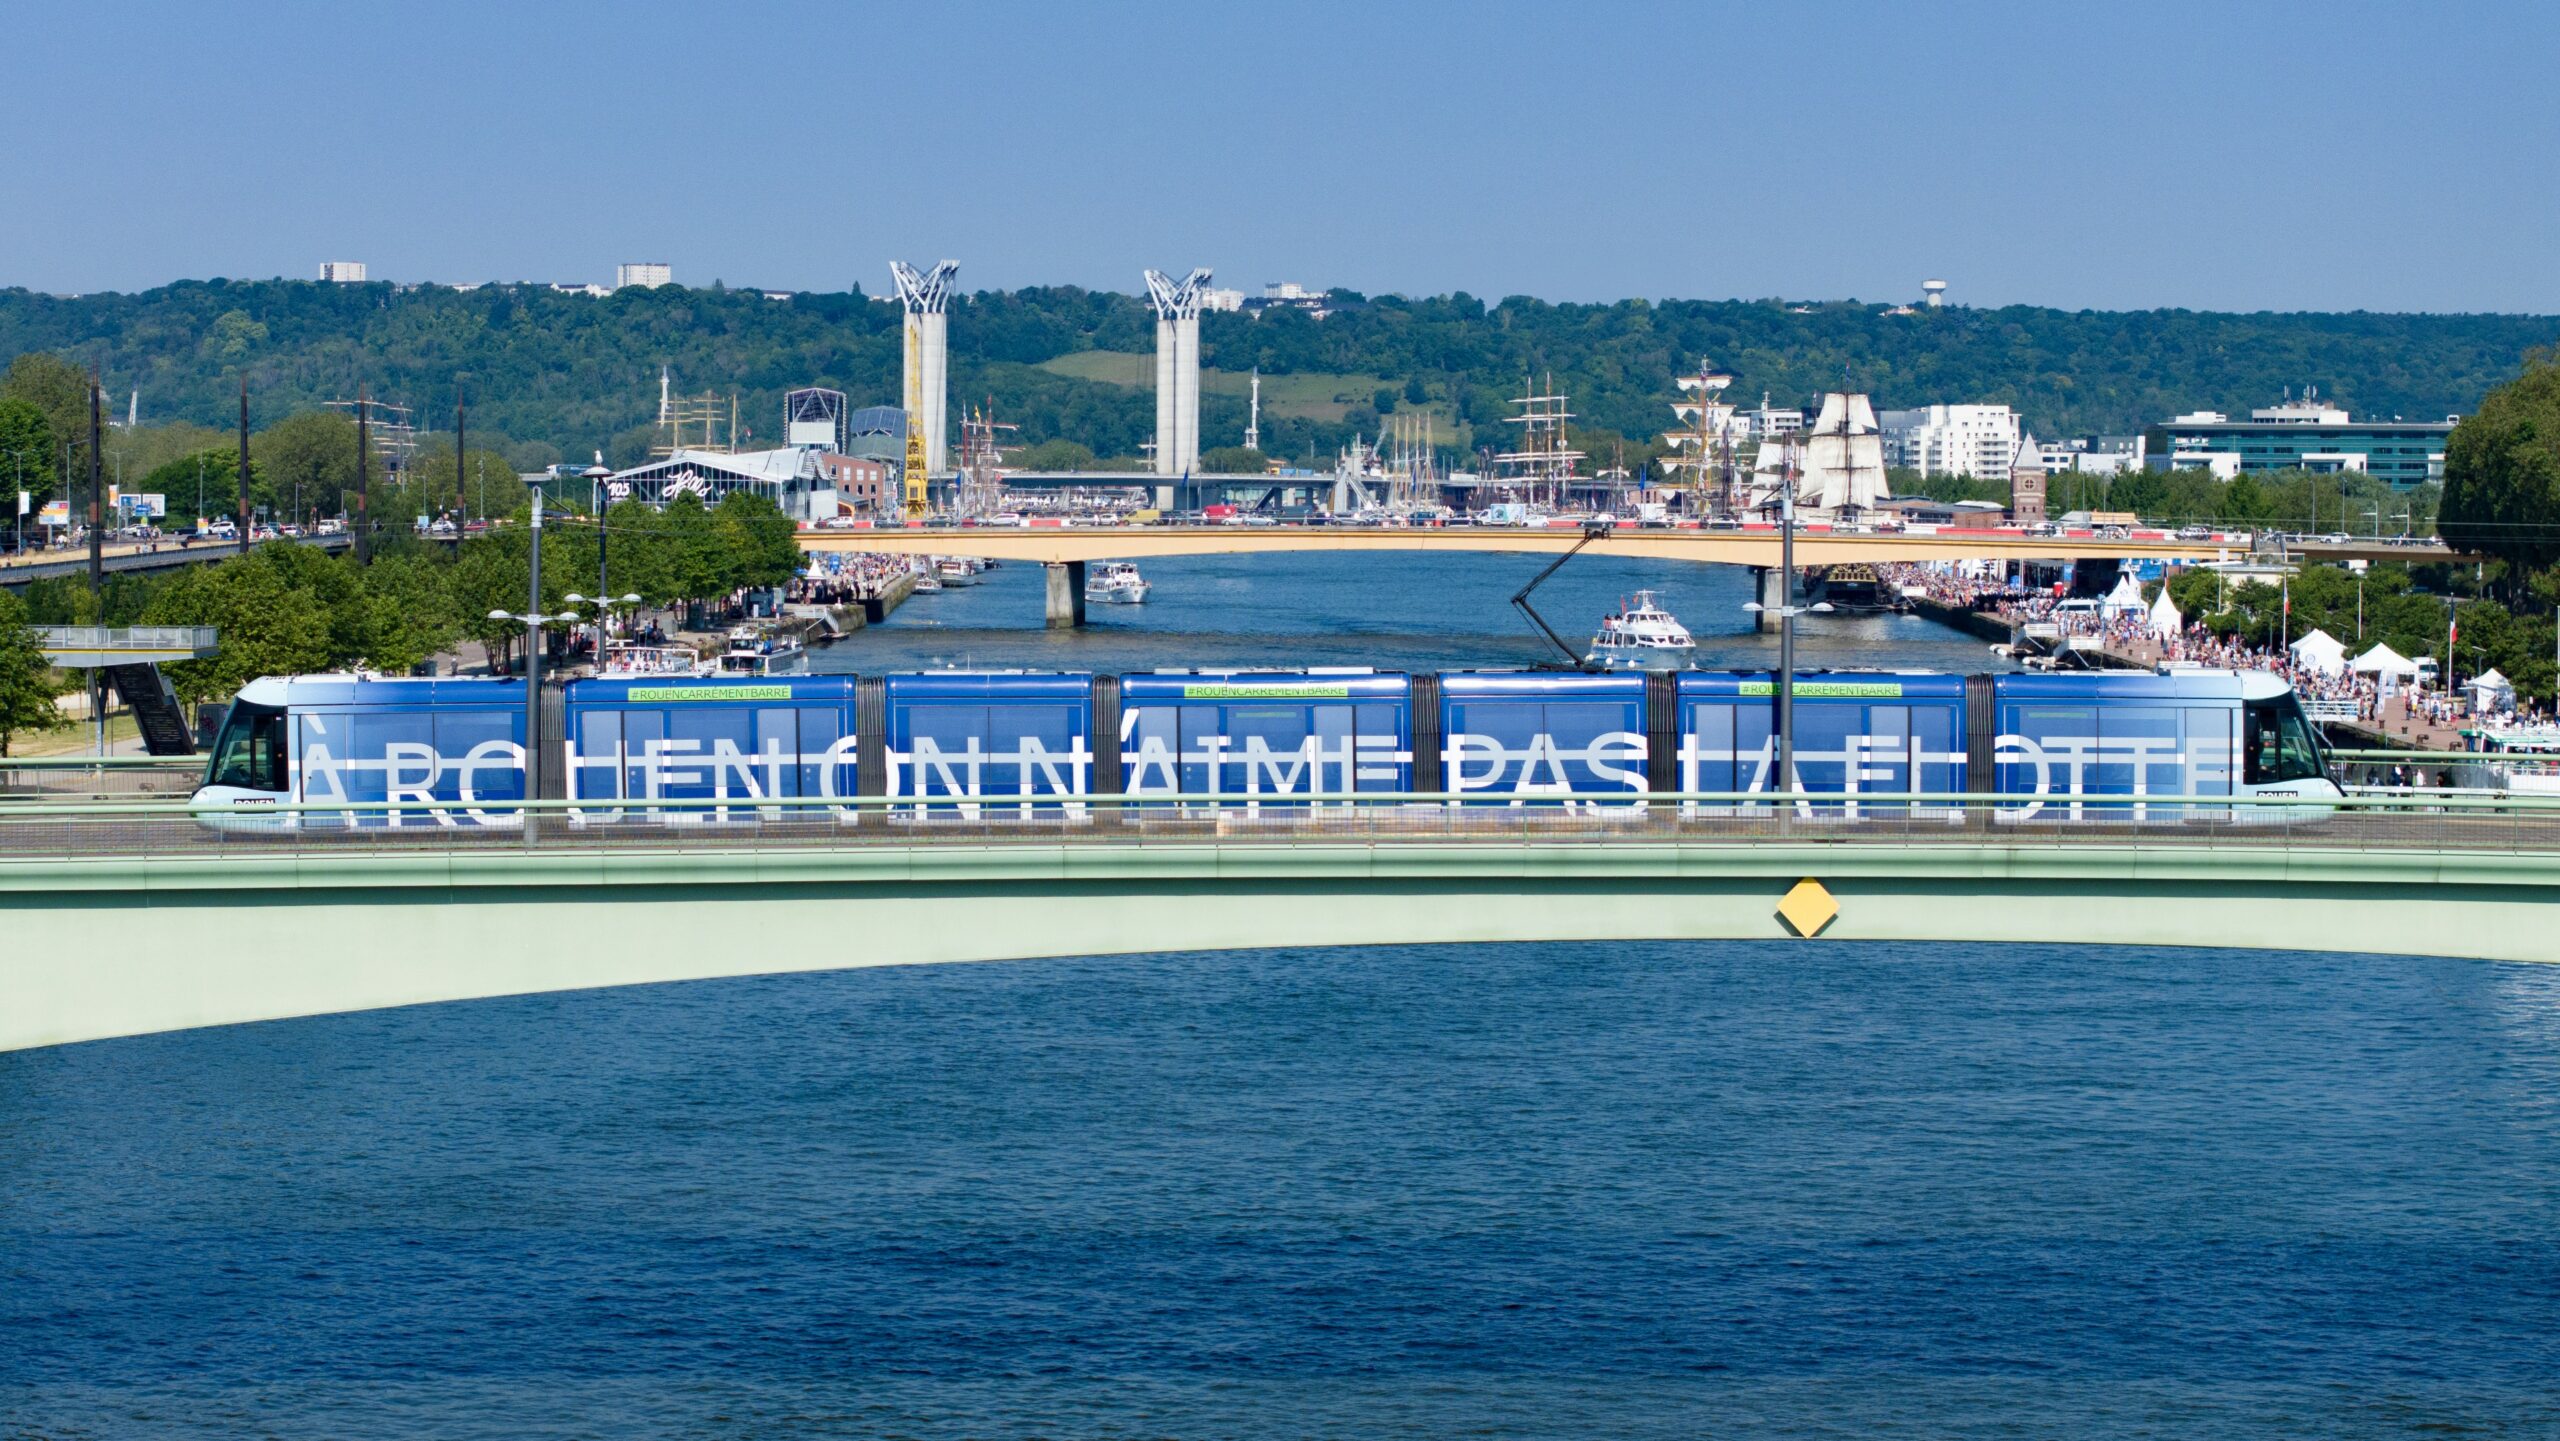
x: 2207, y: 155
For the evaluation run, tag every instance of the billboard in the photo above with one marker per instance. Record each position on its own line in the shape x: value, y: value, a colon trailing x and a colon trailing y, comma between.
x: 130, y: 506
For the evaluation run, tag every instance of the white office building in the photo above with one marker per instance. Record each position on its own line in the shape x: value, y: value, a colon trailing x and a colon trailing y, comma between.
x: 342, y: 272
x: 650, y: 273
x: 1979, y: 441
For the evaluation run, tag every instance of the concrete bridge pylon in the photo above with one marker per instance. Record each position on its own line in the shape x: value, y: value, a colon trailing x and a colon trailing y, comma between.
x: 1177, y: 304
x: 926, y: 295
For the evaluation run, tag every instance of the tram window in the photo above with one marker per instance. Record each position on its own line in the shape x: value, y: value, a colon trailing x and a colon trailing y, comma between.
x: 250, y: 753
x: 2279, y: 745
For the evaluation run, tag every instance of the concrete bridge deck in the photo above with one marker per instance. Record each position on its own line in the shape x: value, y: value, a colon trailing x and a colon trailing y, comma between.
x: 1755, y: 547
x: 131, y: 918
x: 159, y: 555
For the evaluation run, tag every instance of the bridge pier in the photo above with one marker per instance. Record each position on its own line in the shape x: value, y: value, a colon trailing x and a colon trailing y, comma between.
x: 1066, y: 594
x: 1769, y: 587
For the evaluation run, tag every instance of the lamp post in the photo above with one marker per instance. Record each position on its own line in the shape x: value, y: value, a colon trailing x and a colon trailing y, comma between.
x: 533, y: 620
x: 1787, y: 610
x: 20, y: 542
x: 605, y: 605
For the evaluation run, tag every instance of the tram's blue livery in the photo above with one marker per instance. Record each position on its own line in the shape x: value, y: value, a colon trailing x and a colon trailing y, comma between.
x: 1027, y: 743
x: 1265, y: 734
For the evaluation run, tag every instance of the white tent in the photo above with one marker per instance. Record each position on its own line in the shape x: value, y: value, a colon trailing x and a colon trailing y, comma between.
x: 2125, y: 599
x: 2319, y: 651
x: 2165, y: 620
x: 2382, y: 660
x: 2490, y: 693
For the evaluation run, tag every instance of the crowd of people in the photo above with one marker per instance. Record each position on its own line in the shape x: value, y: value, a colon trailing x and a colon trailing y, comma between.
x: 2390, y: 702
x: 843, y: 578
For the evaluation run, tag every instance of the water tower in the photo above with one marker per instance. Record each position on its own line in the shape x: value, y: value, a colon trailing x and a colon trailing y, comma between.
x: 1933, y: 293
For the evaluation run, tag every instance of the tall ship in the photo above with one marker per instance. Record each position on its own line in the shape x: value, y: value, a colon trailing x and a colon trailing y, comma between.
x: 1836, y: 464
x: 1539, y: 477
x: 1702, y: 450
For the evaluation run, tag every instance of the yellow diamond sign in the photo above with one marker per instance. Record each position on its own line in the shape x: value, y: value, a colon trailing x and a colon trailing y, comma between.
x: 1808, y: 908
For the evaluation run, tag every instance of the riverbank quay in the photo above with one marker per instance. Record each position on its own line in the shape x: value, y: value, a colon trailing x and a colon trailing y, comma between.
x: 1979, y: 623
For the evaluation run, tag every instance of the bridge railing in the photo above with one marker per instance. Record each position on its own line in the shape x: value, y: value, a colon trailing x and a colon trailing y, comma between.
x: 61, y: 780
x: 154, y: 829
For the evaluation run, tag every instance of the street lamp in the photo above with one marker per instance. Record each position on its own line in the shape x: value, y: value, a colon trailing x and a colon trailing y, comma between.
x: 1787, y: 611
x: 604, y: 605
x: 20, y: 457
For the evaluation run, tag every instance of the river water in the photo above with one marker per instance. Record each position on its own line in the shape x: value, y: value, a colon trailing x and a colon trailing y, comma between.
x: 1652, y: 1190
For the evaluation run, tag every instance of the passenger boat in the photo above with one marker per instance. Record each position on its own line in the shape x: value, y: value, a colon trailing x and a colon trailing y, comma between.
x: 1641, y: 636
x: 629, y: 660
x: 954, y: 570
x: 1116, y: 583
x: 2523, y: 761
x: 755, y: 652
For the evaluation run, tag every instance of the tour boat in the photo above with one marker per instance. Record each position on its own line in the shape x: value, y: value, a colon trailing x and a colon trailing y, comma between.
x: 955, y: 570
x: 1641, y: 635
x: 629, y: 660
x: 756, y: 652
x: 1116, y: 583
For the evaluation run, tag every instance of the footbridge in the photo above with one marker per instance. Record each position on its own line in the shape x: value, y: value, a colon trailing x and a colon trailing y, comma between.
x: 131, y: 916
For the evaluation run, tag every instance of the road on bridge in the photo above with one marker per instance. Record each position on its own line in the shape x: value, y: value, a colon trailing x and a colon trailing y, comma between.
x: 1753, y: 547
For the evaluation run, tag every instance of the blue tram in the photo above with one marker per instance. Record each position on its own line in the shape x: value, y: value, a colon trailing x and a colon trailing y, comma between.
x: 1036, y: 744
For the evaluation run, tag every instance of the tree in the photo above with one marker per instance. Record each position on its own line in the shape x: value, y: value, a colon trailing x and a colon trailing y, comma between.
x: 210, y: 474
x: 1234, y: 460
x: 27, y: 688
x: 1055, y: 455
x: 1414, y: 394
x: 310, y: 457
x: 409, y: 612
x: 1383, y: 401
x: 54, y: 386
x: 2502, y: 470
x: 27, y: 459
x: 267, y: 627
x: 763, y: 544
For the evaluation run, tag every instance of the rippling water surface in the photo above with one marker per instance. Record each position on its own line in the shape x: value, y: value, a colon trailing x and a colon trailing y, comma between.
x: 1659, y: 1190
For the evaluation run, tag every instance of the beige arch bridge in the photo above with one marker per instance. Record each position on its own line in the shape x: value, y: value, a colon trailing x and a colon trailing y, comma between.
x: 125, y: 924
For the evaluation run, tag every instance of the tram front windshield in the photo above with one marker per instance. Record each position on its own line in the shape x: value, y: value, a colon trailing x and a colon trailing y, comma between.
x: 249, y: 753
x: 2280, y: 744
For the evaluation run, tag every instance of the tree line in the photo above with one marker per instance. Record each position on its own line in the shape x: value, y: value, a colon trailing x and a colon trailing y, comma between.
x: 577, y: 374
x: 290, y: 609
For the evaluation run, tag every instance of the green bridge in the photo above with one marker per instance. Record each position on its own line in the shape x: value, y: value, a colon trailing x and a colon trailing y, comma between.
x: 125, y: 915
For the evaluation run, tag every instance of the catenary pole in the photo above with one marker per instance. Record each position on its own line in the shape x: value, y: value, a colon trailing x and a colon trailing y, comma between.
x: 244, y: 465
x: 364, y: 480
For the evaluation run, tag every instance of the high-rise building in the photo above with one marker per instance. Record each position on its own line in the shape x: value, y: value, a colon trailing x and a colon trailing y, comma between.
x: 650, y: 273
x: 342, y: 272
x: 1969, y: 440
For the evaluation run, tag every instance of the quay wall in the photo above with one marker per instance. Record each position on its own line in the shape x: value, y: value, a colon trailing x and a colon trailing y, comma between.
x: 1971, y: 622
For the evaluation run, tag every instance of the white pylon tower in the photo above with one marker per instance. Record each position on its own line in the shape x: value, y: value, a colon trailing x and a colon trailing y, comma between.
x: 1177, y: 305
x: 928, y: 371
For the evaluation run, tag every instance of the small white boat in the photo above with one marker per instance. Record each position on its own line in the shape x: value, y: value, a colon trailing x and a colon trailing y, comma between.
x: 955, y: 570
x: 754, y: 652
x: 627, y: 660
x: 1641, y: 635
x: 1116, y: 583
